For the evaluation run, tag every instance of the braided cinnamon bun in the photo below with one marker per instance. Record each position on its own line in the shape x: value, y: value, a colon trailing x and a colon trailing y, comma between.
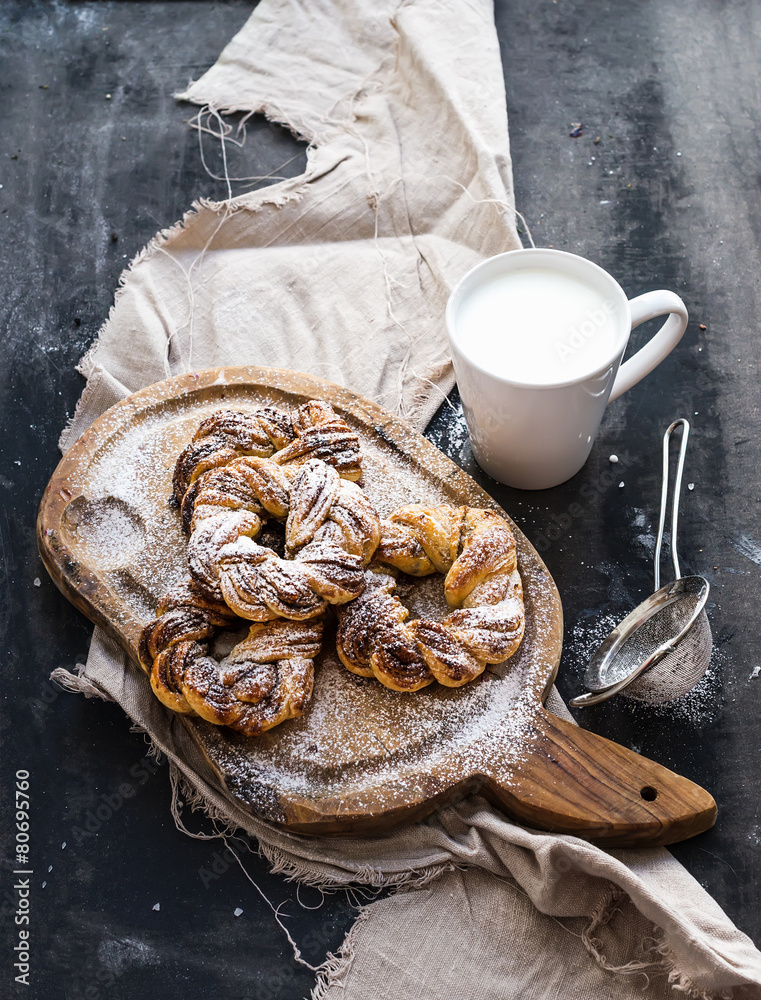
x: 331, y: 533
x: 240, y: 470
x: 314, y: 431
x: 475, y: 548
x: 266, y: 679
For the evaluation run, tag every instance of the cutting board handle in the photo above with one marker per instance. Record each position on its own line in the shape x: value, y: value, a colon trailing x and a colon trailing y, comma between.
x: 596, y: 789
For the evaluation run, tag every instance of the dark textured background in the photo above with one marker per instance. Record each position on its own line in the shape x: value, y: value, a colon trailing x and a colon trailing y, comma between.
x: 669, y: 197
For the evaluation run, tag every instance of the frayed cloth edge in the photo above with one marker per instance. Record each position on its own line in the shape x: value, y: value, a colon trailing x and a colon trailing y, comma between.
x: 254, y: 201
x: 90, y: 369
x: 64, y: 438
x: 680, y: 981
x: 75, y: 683
x: 666, y: 965
x: 338, y: 964
x: 282, y: 863
x: 184, y: 792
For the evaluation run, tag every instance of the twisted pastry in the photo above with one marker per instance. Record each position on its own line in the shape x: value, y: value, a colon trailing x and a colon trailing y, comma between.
x: 266, y: 679
x: 314, y: 431
x: 185, y: 619
x: 227, y: 488
x: 331, y: 533
x: 476, y: 550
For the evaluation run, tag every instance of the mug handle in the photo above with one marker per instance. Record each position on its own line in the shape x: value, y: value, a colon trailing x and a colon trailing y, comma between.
x: 645, y: 307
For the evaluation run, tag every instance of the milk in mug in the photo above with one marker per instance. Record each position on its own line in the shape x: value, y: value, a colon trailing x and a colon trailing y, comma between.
x: 537, y: 325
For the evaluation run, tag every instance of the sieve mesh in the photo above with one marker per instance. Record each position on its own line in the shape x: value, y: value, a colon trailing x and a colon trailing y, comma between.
x: 680, y: 670
x: 664, y: 624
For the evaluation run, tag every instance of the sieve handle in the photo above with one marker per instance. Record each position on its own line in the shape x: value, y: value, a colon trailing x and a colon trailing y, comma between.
x: 675, y: 502
x: 570, y: 780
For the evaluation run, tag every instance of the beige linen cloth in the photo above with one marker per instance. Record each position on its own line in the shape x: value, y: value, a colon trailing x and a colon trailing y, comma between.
x: 344, y: 272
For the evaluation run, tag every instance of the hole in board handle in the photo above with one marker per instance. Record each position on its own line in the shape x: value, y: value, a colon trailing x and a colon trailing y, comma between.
x: 648, y: 793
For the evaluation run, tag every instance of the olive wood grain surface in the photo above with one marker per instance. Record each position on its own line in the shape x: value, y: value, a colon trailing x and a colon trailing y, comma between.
x: 362, y: 757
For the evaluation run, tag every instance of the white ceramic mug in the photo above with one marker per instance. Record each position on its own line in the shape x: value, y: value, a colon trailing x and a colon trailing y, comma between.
x: 528, y: 432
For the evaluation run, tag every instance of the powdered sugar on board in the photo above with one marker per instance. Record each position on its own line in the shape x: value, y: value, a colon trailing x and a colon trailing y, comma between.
x: 356, y: 737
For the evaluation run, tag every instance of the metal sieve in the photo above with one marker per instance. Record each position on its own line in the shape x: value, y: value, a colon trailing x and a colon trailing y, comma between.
x: 661, y: 650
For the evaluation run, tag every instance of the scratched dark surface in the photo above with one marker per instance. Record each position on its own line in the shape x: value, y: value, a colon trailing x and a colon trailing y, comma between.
x: 668, y: 197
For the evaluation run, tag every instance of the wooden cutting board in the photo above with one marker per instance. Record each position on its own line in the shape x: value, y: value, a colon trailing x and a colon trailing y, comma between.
x: 362, y: 757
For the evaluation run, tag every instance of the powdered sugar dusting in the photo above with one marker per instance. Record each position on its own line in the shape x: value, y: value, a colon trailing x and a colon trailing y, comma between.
x: 357, y: 741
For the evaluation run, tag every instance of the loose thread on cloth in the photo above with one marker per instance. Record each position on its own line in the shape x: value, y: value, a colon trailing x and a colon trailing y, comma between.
x: 305, y: 906
x: 225, y: 135
x: 368, y: 880
x: 444, y: 396
x: 154, y: 751
x: 606, y: 909
x: 184, y: 792
x: 375, y: 200
x: 197, y: 260
x: 504, y: 205
x: 276, y: 913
